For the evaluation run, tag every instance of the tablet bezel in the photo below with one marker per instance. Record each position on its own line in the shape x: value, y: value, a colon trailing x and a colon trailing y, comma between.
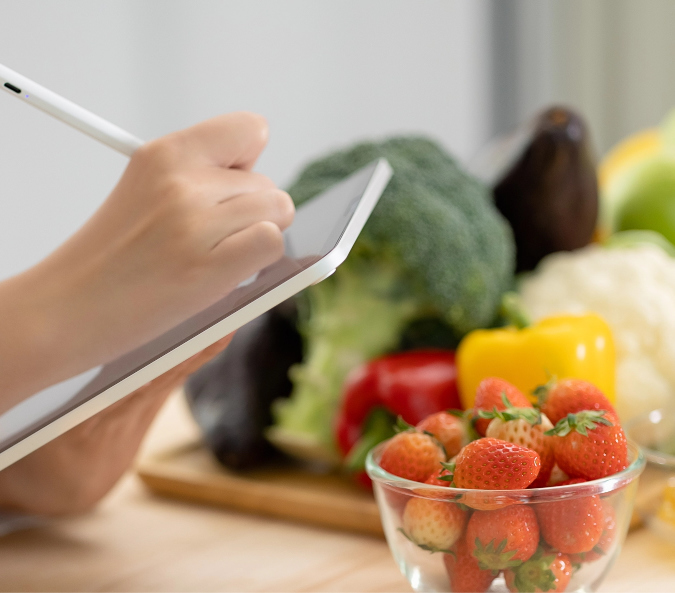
x: 313, y: 274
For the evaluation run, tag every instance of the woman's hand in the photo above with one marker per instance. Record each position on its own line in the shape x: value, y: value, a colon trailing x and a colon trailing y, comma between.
x: 73, y: 472
x: 187, y: 222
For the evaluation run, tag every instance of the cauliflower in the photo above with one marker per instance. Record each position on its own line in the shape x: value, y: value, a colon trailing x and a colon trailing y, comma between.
x: 634, y: 290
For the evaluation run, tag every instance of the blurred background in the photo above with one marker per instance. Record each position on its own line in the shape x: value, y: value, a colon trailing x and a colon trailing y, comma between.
x: 324, y: 74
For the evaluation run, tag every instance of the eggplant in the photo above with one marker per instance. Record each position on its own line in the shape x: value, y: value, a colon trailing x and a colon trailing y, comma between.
x: 230, y: 397
x: 549, y: 193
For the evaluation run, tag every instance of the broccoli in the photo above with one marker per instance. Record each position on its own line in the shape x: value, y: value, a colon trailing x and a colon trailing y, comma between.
x: 434, y: 246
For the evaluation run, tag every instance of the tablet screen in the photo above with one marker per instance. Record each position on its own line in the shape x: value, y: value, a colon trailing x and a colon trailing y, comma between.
x: 318, y: 226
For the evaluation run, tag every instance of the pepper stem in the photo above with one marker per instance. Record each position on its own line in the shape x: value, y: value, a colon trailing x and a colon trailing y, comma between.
x: 379, y: 426
x: 513, y: 310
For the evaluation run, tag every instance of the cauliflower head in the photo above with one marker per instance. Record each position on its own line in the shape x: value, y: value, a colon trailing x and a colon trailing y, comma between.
x: 633, y: 289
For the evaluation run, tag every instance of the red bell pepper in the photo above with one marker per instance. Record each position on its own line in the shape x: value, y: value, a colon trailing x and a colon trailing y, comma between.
x: 411, y: 384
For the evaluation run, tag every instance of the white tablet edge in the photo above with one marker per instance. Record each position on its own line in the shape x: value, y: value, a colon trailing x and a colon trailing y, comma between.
x: 315, y: 273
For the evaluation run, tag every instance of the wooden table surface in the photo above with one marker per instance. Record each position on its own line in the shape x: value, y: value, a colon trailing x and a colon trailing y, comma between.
x: 135, y: 541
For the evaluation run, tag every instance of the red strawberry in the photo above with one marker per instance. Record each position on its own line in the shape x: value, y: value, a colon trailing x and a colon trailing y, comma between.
x: 464, y: 572
x: 504, y: 538
x: 568, y: 396
x: 490, y: 395
x: 602, y: 548
x: 433, y: 525
x: 484, y: 500
x: 526, y: 427
x: 435, y: 478
x: 448, y: 429
x: 411, y: 455
x: 493, y: 464
x: 590, y: 444
x: 572, y: 526
x: 557, y: 476
x: 545, y: 571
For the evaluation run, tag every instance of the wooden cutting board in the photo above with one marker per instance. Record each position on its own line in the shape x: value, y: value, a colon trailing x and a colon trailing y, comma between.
x: 287, y: 491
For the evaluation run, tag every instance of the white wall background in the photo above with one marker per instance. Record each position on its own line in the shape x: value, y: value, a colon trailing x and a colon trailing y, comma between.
x: 325, y: 74
x: 610, y: 59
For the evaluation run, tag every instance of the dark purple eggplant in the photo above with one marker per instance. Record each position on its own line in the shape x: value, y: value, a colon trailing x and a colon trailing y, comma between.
x: 549, y: 194
x: 230, y: 397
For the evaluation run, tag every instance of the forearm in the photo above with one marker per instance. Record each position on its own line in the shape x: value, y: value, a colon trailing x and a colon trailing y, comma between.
x: 187, y: 222
x: 41, y: 341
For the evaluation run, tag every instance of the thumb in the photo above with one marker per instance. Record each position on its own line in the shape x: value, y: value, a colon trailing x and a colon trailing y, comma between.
x: 232, y: 141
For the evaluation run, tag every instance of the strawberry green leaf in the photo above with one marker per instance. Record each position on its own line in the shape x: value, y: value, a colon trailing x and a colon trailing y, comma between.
x: 535, y: 574
x: 541, y: 391
x: 494, y: 558
x: 402, y: 425
x: 449, y: 465
x: 530, y: 415
x: 582, y: 422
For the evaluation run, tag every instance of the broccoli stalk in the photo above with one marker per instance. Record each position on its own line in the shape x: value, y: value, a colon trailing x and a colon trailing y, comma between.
x: 434, y: 245
x: 345, y: 321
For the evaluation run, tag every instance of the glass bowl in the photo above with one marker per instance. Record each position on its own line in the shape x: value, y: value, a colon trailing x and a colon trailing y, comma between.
x: 428, y: 570
x: 654, y: 432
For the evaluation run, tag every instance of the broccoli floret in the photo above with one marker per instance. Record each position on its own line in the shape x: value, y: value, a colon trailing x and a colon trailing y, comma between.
x: 435, y: 245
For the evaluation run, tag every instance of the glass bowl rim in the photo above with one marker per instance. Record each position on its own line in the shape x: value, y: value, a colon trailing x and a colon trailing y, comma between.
x: 548, y: 493
x: 652, y: 455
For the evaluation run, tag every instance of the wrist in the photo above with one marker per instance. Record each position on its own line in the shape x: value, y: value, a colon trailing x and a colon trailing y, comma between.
x: 42, y: 335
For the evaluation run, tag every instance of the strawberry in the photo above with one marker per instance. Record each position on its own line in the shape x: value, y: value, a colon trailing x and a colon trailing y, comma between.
x: 572, y: 526
x: 590, y: 444
x: 433, y: 525
x: 525, y: 427
x: 490, y: 394
x: 493, y: 464
x: 504, y: 538
x: 545, y: 571
x: 442, y: 478
x: 568, y: 396
x: 448, y: 429
x: 482, y: 500
x: 436, y: 478
x: 602, y: 548
x: 411, y: 455
x: 557, y: 475
x: 464, y: 572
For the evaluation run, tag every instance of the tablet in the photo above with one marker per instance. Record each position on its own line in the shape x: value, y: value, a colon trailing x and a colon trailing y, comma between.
x: 320, y: 238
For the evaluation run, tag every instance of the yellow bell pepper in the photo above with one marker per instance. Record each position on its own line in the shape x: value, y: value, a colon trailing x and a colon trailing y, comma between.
x: 562, y: 346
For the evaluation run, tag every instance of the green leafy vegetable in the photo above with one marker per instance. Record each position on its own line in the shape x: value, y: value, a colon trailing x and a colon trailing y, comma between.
x: 434, y: 247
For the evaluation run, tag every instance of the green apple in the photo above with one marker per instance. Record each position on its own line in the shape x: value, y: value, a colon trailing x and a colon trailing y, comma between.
x: 646, y: 197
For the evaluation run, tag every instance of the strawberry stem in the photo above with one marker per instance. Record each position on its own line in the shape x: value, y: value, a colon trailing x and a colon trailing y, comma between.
x: 530, y: 415
x: 582, y: 422
x: 535, y: 574
x: 491, y: 557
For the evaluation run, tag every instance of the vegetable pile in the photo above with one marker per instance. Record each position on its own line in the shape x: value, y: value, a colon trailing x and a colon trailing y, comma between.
x: 571, y: 436
x: 633, y: 289
x: 426, y: 281
x: 435, y: 248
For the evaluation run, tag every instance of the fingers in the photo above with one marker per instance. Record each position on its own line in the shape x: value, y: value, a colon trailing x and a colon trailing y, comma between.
x: 233, y: 140
x: 240, y: 212
x: 242, y: 254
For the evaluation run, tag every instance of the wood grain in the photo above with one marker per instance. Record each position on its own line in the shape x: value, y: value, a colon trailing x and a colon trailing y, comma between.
x: 136, y: 541
x: 284, y: 491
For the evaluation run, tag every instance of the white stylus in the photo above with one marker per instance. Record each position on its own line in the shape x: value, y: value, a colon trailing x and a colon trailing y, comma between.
x: 68, y: 112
